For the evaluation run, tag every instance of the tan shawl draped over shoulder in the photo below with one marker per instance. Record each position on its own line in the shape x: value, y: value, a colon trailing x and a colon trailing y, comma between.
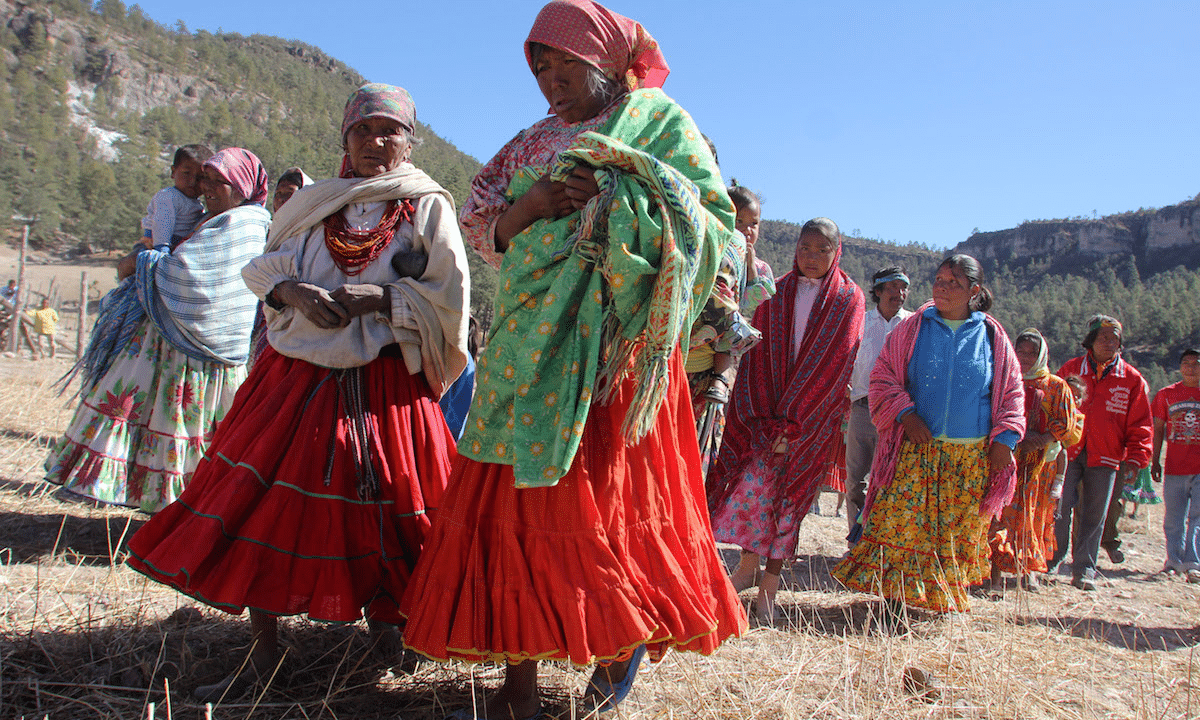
x: 436, y: 303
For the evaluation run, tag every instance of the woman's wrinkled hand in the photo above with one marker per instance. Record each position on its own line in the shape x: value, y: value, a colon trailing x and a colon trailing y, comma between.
x: 362, y: 299
x: 581, y: 186
x: 717, y: 390
x: 915, y: 429
x: 999, y: 457
x: 127, y: 265
x: 547, y: 199
x: 313, y: 302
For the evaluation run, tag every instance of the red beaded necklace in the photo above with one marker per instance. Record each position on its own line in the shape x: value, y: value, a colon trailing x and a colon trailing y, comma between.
x: 352, y: 250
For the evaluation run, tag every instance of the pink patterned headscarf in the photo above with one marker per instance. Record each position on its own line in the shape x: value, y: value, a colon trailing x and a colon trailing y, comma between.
x: 619, y: 46
x: 244, y: 171
x: 379, y: 100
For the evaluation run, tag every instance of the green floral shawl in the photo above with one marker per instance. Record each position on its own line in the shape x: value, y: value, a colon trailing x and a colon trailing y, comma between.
x: 586, y: 299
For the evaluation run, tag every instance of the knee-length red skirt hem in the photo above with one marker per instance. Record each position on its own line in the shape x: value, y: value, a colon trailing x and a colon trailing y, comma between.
x: 276, y: 517
x: 617, y: 554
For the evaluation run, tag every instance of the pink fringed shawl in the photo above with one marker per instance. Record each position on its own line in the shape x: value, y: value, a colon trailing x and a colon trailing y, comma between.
x: 888, y: 397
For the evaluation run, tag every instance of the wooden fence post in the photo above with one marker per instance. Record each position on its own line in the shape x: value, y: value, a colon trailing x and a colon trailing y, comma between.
x: 81, y: 331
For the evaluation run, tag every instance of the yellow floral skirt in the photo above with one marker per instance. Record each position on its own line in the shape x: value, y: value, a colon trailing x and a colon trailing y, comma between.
x: 924, y: 542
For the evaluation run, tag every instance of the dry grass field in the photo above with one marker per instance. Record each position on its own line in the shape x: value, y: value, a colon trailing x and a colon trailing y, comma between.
x: 82, y: 636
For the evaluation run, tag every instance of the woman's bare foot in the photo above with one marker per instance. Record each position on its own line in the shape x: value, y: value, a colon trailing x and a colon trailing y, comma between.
x: 765, y: 610
x: 386, y: 645
x: 518, y: 696
x: 255, y: 673
x: 264, y: 660
x: 746, y: 573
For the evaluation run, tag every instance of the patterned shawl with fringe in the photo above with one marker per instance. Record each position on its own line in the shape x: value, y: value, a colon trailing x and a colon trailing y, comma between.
x: 586, y: 299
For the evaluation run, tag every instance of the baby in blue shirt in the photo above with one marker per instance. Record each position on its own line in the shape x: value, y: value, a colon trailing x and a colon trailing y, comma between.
x: 174, y: 212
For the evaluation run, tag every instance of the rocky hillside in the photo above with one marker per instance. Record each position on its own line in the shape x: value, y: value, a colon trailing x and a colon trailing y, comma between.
x: 1156, y: 239
x: 93, y: 102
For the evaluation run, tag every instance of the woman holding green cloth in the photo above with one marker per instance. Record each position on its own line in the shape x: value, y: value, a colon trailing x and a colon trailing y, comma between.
x: 574, y: 525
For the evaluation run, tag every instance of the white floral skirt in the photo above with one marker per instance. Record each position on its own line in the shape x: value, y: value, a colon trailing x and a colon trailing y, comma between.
x: 137, y: 436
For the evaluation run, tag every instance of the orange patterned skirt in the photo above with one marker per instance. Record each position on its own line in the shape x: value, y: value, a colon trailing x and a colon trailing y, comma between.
x: 617, y: 554
x: 1018, y: 538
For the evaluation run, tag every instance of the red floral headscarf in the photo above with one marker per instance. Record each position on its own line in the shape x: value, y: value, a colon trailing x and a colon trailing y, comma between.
x: 619, y: 46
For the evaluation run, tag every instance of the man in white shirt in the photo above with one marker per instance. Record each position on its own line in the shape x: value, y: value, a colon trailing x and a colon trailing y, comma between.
x: 889, y: 290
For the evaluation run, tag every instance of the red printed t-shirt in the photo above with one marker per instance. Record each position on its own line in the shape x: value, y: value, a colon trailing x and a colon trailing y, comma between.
x: 1179, y: 407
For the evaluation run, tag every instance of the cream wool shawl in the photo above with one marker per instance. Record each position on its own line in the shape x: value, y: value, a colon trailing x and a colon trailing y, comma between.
x: 437, y: 301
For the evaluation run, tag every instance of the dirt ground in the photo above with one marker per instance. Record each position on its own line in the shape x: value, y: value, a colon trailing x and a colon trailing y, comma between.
x: 82, y: 636
x: 46, y: 276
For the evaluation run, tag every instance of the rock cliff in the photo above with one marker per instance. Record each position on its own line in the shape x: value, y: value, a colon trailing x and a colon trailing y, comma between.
x: 1152, y: 236
x: 101, y: 57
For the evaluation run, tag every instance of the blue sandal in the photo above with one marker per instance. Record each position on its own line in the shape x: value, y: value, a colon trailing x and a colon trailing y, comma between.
x: 604, y: 694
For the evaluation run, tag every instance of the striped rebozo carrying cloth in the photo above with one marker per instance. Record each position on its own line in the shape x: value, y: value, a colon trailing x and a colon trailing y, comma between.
x: 194, y: 295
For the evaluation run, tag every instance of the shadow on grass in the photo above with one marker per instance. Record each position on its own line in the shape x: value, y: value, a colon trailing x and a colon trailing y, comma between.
x: 831, y: 615
x: 43, y: 439
x: 77, y: 535
x: 805, y: 572
x: 1121, y: 635
x: 812, y: 572
x: 859, y: 617
x: 115, y: 670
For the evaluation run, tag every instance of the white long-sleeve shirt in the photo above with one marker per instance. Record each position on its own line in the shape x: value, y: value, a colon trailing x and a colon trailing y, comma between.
x: 875, y: 330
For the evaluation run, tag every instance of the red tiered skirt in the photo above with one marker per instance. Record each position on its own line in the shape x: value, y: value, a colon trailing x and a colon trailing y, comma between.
x: 618, y: 553
x: 835, y: 476
x: 271, y: 522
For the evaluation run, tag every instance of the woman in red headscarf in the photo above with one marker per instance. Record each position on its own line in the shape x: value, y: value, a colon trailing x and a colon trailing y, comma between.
x: 574, y: 525
x: 317, y: 493
x: 168, y: 352
x: 787, y: 409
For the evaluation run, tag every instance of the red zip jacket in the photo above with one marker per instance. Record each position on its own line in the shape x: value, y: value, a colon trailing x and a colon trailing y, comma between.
x: 1117, y: 424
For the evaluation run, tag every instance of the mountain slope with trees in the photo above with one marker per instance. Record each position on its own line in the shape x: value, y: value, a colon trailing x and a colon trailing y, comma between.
x: 95, y: 98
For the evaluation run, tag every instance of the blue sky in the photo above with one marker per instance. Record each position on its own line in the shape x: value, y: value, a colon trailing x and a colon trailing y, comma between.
x: 910, y: 123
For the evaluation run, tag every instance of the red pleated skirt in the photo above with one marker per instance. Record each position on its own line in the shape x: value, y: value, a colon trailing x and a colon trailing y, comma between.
x: 619, y: 553
x: 274, y: 519
x: 835, y: 476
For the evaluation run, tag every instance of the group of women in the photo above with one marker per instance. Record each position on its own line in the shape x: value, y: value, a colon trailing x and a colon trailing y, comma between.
x: 572, y: 520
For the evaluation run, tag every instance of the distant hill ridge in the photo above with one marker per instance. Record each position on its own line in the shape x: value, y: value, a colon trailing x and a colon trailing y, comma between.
x: 1157, y: 238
